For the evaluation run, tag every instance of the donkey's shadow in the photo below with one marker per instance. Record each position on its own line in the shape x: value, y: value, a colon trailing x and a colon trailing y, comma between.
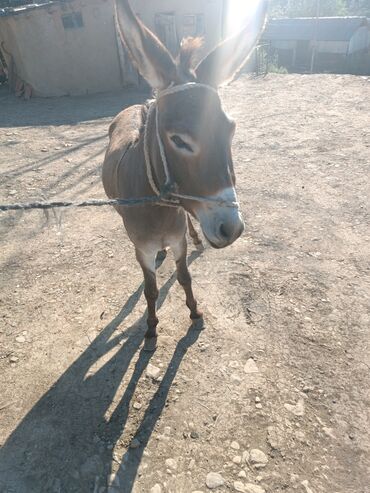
x: 64, y: 444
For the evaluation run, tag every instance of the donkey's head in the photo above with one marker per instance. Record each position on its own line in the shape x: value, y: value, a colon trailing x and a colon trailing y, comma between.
x: 195, y: 132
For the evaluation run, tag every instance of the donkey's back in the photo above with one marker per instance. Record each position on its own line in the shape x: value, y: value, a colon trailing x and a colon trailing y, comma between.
x: 124, y: 132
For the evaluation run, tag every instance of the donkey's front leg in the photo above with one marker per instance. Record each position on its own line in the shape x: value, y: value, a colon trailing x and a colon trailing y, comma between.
x: 184, y: 278
x: 147, y: 262
x: 194, y: 235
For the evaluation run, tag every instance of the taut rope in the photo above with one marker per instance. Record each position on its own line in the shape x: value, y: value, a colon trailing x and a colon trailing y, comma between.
x: 166, y: 196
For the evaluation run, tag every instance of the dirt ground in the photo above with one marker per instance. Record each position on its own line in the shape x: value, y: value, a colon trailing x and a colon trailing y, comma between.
x: 274, y: 394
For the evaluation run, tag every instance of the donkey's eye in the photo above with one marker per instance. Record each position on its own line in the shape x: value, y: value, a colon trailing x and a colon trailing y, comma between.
x: 181, y: 144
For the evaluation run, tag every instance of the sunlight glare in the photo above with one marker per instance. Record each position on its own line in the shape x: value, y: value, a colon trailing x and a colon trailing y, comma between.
x: 238, y: 13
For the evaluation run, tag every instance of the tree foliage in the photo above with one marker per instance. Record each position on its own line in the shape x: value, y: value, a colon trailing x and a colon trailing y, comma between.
x: 308, y: 8
x: 359, y: 7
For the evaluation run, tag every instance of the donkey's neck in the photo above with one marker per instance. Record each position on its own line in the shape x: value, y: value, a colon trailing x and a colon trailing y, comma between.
x: 150, y: 149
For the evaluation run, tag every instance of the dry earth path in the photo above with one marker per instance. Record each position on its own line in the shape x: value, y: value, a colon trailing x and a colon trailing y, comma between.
x: 273, y: 396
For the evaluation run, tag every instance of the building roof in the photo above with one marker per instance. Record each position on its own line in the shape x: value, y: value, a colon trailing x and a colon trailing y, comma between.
x: 14, y: 7
x: 308, y: 28
x: 19, y: 3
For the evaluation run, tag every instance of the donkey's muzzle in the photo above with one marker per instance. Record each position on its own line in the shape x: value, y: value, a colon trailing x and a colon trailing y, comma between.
x: 221, y: 227
x: 221, y: 224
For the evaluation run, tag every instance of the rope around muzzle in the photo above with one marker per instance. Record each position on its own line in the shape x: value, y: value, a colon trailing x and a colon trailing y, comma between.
x: 167, y: 196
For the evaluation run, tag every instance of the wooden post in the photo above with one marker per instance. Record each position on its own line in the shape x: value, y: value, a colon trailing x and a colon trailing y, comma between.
x: 315, y: 40
x: 224, y: 10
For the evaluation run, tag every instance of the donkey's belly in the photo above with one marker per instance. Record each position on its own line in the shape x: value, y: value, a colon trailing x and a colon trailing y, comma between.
x: 154, y: 227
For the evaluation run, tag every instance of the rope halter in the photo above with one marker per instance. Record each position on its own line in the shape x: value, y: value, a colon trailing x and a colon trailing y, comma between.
x: 168, y: 192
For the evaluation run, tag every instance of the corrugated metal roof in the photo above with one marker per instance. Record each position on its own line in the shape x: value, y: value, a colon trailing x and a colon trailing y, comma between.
x: 14, y: 7
x: 305, y: 28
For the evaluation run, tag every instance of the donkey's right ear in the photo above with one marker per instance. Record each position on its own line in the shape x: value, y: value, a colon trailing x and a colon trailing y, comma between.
x: 150, y: 57
x: 221, y: 64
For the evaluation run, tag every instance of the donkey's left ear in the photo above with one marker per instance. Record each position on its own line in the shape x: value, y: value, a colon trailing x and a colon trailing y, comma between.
x: 147, y: 53
x: 228, y: 57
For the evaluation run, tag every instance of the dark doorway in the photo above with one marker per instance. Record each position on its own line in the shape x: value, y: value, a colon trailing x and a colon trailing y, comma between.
x: 303, y: 56
x: 165, y: 26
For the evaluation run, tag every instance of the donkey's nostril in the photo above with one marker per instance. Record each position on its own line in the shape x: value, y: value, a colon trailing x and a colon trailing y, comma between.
x: 225, y: 232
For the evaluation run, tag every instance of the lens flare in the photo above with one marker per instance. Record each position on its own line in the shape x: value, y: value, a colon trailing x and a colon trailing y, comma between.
x: 238, y: 13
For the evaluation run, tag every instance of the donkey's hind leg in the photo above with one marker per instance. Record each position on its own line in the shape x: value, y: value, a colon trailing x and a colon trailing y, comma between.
x: 147, y: 263
x: 184, y: 278
x: 194, y: 235
x: 161, y: 255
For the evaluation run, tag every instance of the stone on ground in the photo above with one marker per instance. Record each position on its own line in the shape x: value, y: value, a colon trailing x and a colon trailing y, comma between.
x: 258, y: 458
x: 253, y: 488
x: 171, y: 463
x: 251, y: 367
x: 135, y: 443
x: 296, y: 409
x: 157, y: 488
x: 153, y: 372
x: 239, y: 486
x: 214, y: 480
x: 305, y: 485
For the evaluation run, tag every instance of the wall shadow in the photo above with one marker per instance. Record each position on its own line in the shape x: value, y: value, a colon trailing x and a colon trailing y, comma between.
x: 55, y: 156
x: 64, y: 444
x: 54, y: 112
x: 65, y: 110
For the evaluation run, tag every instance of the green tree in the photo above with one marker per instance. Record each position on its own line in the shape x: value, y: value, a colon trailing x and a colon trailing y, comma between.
x: 359, y: 7
x: 308, y: 8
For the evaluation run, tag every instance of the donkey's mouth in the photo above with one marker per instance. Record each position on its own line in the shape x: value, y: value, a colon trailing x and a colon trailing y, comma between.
x: 213, y: 245
x: 224, y: 235
x: 219, y: 246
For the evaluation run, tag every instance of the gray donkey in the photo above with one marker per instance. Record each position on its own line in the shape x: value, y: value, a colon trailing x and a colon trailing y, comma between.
x: 176, y: 147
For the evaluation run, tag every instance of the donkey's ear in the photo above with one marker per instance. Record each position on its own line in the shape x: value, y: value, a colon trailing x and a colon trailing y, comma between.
x: 147, y: 53
x: 228, y: 57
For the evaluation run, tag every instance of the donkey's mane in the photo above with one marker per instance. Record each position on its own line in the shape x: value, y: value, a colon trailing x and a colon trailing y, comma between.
x: 189, y: 55
x: 143, y: 116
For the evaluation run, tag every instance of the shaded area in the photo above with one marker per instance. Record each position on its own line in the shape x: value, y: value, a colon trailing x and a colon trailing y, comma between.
x: 58, y: 111
x: 50, y: 159
x: 81, y: 173
x: 65, y: 442
x: 65, y: 110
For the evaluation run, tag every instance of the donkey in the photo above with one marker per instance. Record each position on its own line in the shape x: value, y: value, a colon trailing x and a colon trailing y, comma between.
x: 177, y: 148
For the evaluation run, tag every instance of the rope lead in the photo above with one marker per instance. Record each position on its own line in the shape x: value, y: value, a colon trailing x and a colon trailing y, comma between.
x: 167, y: 196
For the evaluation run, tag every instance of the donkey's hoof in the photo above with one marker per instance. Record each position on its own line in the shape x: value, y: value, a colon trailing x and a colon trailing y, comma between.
x: 150, y: 344
x: 198, y: 323
x: 195, y: 315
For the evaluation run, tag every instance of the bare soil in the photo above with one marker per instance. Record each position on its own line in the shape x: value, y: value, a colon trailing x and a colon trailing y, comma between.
x: 283, y: 362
